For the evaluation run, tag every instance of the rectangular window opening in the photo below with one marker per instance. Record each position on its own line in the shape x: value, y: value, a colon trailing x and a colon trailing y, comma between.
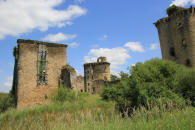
x: 42, y: 65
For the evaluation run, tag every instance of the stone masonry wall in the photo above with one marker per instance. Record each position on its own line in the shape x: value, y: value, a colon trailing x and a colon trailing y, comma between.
x: 29, y: 93
x: 95, y: 71
x: 69, y: 77
x: 177, y: 37
x: 80, y: 83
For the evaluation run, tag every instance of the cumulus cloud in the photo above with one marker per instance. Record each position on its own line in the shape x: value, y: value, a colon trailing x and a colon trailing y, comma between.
x: 59, y: 37
x: 116, y: 56
x: 134, y: 46
x: 74, y: 45
x: 22, y: 16
x: 182, y: 2
x: 8, y: 82
x: 153, y: 46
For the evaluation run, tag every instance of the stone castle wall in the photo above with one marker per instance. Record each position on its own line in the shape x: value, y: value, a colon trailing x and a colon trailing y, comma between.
x: 80, y: 83
x: 95, y: 71
x: 68, y: 77
x: 177, y: 36
x: 28, y: 91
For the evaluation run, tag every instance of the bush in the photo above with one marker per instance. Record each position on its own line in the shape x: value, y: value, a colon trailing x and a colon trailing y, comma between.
x: 63, y: 94
x: 185, y: 85
x: 6, y: 102
x: 171, y: 10
x: 153, y: 83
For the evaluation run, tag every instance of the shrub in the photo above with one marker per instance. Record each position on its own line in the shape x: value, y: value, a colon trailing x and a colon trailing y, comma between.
x: 150, y: 84
x: 171, y: 9
x: 6, y: 102
x: 185, y: 85
x: 63, y: 94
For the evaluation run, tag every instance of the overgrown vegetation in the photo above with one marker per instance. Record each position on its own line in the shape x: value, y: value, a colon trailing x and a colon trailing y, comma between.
x: 157, y: 94
x: 91, y: 113
x: 154, y: 83
x: 171, y: 9
x: 6, y: 102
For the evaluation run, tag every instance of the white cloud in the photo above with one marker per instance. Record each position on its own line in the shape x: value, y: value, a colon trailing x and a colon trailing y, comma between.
x: 74, y: 45
x: 59, y: 37
x: 22, y: 16
x: 116, y: 56
x: 153, y: 46
x: 104, y: 37
x: 135, y: 46
x: 133, y: 64
x: 182, y: 2
x: 8, y: 82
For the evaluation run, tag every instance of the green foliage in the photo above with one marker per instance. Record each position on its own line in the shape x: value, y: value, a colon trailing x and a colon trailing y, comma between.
x: 63, y: 94
x: 65, y: 116
x: 114, y: 77
x: 155, y: 83
x: 185, y: 84
x: 171, y: 9
x: 15, y: 49
x: 6, y: 102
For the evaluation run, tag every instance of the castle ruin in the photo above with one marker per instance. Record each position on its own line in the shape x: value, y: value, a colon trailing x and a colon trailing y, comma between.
x: 95, y: 74
x: 41, y: 67
x: 177, y: 35
x: 38, y: 70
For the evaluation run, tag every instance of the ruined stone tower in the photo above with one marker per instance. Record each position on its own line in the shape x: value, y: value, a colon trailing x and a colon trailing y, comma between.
x: 95, y: 74
x: 177, y: 36
x: 38, y: 70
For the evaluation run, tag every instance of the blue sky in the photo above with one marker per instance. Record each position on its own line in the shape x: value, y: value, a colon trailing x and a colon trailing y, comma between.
x: 121, y: 30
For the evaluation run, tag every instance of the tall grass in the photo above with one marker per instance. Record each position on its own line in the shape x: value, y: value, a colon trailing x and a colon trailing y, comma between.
x: 85, y: 112
x: 95, y: 119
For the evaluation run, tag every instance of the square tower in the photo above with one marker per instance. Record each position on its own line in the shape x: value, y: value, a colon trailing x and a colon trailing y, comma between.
x: 37, y: 72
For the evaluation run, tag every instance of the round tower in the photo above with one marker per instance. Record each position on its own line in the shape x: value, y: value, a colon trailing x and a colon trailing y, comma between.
x: 99, y: 70
x: 177, y: 35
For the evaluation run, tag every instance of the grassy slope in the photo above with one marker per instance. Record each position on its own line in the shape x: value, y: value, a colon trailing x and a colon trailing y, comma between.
x: 92, y: 113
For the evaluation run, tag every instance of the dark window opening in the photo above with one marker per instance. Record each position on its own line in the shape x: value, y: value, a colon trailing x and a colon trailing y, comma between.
x: 42, y: 65
x: 88, y: 84
x: 81, y: 90
x: 93, y: 90
x: 179, y: 25
x: 172, y: 51
x: 188, y: 63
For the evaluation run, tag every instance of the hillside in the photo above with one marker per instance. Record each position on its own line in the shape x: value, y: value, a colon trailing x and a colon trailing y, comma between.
x: 90, y: 112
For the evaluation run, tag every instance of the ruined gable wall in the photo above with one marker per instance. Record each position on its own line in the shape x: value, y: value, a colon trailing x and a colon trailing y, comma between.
x: 68, y: 77
x: 28, y: 92
x: 80, y: 83
x: 177, y: 33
